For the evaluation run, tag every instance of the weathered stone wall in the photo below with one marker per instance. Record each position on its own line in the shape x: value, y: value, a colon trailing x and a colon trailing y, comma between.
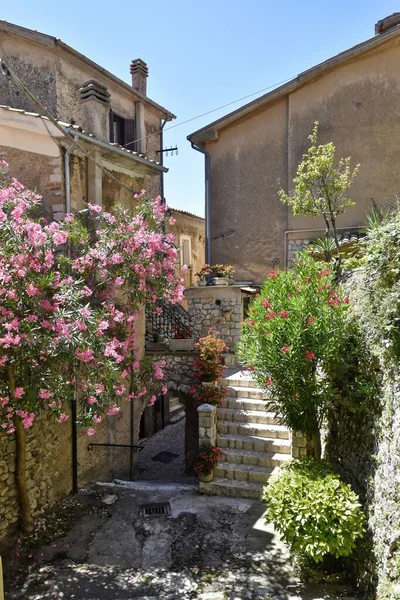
x: 216, y: 307
x: 42, y: 174
x: 48, y: 455
x: 178, y: 369
x: 364, y: 446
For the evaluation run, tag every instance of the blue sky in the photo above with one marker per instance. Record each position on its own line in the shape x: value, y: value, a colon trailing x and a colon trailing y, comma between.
x: 203, y: 53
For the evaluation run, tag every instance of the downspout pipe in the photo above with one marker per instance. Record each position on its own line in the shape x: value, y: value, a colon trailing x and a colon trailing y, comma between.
x: 207, y: 197
x: 74, y: 429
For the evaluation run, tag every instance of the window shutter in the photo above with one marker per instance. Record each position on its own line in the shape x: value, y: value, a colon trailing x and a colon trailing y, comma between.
x: 130, y: 134
x: 111, y: 125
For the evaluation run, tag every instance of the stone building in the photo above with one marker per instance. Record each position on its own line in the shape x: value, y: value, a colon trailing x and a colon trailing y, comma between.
x: 254, y: 151
x: 189, y: 238
x: 110, y: 122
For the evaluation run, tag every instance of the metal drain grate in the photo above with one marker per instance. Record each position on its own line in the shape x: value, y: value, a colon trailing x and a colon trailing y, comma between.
x: 156, y: 509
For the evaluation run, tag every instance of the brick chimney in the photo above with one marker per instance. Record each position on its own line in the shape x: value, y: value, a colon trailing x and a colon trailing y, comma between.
x: 387, y: 23
x: 140, y: 73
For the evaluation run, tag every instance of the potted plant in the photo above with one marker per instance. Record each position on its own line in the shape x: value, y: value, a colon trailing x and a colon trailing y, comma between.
x: 222, y: 274
x: 204, y: 272
x: 211, y: 395
x: 209, y: 366
x: 182, y: 340
x: 206, y: 461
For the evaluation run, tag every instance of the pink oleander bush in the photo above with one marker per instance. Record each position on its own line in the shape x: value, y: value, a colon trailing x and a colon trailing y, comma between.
x: 70, y: 295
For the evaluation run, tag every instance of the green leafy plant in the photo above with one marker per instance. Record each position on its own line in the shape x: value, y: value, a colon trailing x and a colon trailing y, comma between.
x: 314, y: 510
x: 382, y: 283
x: 321, y: 186
x: 292, y: 340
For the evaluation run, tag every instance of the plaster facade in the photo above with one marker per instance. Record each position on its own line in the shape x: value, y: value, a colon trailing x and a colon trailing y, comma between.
x: 189, y: 230
x: 55, y: 74
x: 254, y: 152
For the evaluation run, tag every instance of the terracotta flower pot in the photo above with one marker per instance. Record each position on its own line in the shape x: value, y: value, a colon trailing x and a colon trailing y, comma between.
x: 206, y: 478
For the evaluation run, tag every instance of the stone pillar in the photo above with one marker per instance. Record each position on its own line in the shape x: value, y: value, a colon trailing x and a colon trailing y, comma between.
x: 207, y: 424
x: 95, y: 180
x: 298, y: 444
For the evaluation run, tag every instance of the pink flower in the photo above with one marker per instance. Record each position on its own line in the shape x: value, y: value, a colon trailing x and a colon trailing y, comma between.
x: 286, y: 349
x: 60, y: 237
x: 94, y: 207
x: 45, y: 394
x: 309, y: 355
x: 18, y: 392
x: 85, y: 312
x: 97, y: 419
x: 31, y: 290
x: 113, y: 410
x: 268, y: 381
x: 284, y: 314
x: 92, y: 400
x: 91, y: 431
x: 311, y: 320
x: 62, y: 417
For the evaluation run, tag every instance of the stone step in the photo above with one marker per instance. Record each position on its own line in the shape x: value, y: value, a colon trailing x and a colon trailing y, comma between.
x: 252, y: 429
x: 254, y: 457
x: 246, y: 416
x: 250, y: 473
x: 174, y: 403
x: 239, y: 381
x: 235, y: 489
x: 245, y: 403
x: 241, y: 391
x: 253, y: 443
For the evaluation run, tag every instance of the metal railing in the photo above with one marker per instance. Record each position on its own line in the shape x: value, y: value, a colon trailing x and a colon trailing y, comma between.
x: 167, y: 321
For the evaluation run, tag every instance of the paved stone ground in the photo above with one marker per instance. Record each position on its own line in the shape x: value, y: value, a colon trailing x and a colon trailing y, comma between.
x: 97, y: 546
x: 170, y: 439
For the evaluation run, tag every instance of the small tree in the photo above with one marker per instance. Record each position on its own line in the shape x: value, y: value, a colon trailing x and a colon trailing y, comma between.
x: 291, y: 340
x: 321, y: 187
x: 69, y: 296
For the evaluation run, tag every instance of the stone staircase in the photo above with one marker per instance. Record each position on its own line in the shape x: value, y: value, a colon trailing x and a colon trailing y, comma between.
x: 255, y: 445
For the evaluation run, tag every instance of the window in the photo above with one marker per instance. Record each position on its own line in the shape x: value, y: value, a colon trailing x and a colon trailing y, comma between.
x: 185, y: 250
x: 122, y: 131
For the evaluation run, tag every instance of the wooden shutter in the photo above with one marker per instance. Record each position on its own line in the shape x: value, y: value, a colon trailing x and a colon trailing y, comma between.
x: 130, y: 134
x: 111, y: 125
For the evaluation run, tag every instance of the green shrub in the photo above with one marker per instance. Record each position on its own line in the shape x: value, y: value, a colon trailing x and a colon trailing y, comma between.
x: 292, y: 339
x: 315, y: 512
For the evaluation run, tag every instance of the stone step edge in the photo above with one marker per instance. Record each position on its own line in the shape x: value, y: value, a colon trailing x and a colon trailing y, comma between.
x: 257, y: 454
x: 227, y: 466
x: 260, y: 426
x: 247, y: 412
x: 238, y: 437
x: 237, y: 484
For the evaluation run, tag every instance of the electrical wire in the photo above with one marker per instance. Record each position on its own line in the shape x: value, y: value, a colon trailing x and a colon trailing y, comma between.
x: 209, y: 112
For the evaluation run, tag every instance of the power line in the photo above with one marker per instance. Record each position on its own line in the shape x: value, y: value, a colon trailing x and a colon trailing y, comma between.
x: 275, y: 85
x: 209, y: 112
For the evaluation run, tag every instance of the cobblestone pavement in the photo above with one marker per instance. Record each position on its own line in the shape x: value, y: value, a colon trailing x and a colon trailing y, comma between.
x: 98, y: 546
x: 171, y: 439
